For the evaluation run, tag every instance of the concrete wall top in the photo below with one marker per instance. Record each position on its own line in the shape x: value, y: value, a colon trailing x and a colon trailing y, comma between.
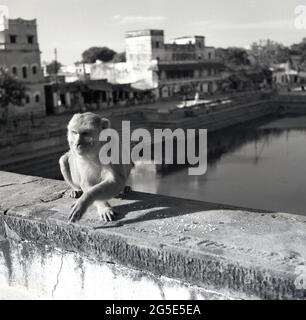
x: 249, y: 252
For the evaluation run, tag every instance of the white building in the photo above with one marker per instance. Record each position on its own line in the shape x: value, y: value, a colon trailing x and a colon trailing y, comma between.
x: 19, y: 52
x: 185, y: 64
x: 69, y: 73
x: 284, y: 74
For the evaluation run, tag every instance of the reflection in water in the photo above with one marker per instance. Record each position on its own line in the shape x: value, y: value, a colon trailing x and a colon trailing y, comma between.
x: 261, y: 165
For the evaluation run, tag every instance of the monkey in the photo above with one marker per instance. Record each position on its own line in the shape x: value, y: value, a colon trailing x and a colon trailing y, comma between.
x: 92, y: 182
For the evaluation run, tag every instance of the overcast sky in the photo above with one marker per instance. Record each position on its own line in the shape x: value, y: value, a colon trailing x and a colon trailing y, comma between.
x: 74, y: 25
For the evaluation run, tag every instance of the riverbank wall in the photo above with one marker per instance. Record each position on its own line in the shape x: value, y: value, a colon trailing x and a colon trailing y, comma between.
x: 159, y: 248
x: 39, y: 155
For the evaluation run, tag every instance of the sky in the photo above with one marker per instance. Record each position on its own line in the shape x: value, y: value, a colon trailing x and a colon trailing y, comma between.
x: 72, y: 26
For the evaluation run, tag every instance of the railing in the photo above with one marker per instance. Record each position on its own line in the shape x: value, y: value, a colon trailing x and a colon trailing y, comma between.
x: 194, y: 61
x: 21, y: 46
x: 187, y: 80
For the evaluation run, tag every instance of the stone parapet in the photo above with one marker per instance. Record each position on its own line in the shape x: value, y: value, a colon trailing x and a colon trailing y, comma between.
x: 243, y: 253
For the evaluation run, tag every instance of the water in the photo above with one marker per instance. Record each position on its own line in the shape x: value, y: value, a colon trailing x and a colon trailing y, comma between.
x: 258, y: 165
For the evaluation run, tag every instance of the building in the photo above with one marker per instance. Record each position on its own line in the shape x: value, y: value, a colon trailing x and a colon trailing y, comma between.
x: 245, y: 77
x: 91, y: 95
x: 284, y: 74
x: 19, y: 52
x: 68, y: 73
x: 184, y: 65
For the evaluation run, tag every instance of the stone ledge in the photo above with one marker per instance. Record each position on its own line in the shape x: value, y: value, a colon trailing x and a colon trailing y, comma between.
x: 247, y: 253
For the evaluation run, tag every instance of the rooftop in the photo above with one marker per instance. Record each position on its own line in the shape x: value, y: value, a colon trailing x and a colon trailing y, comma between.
x: 146, y: 32
x: 186, y: 37
x: 22, y: 21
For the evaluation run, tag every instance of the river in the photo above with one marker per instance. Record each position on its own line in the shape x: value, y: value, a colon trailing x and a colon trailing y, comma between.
x: 258, y: 165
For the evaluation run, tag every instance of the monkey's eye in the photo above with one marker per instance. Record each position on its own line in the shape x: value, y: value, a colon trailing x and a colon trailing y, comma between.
x: 87, y: 134
x: 74, y: 132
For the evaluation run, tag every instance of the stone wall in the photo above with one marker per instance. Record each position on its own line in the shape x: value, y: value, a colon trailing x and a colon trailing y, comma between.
x: 228, y: 251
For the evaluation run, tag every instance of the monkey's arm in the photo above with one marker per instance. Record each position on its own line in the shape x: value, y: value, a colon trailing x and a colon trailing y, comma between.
x: 113, y: 183
x: 65, y: 170
x: 114, y: 179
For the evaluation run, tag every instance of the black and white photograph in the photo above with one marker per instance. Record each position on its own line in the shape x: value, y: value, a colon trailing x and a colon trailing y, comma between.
x: 153, y: 150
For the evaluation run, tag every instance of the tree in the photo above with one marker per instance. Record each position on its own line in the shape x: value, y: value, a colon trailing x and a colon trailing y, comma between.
x: 300, y: 50
x: 233, y: 56
x: 53, y: 67
x: 93, y: 54
x: 12, y: 92
x: 269, y: 52
x: 119, y: 57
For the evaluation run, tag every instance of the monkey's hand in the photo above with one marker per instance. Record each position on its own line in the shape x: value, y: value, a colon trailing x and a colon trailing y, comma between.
x: 75, y: 194
x: 107, y: 214
x: 78, y: 209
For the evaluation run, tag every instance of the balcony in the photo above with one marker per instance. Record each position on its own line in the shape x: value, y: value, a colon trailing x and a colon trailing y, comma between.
x: 187, y: 64
x: 19, y: 46
x: 194, y: 79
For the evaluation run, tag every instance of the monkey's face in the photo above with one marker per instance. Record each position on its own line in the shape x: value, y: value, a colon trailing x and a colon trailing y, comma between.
x: 83, y: 133
x: 83, y: 138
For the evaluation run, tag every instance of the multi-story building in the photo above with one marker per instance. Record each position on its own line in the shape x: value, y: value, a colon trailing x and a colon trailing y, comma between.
x: 183, y: 65
x: 20, y: 54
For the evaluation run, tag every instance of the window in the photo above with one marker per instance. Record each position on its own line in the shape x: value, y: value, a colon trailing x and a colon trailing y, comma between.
x: 157, y: 44
x: 27, y: 99
x: 24, y: 72
x: 63, y: 99
x: 30, y: 39
x: 34, y: 69
x: 103, y: 96
x: 13, y: 38
x: 209, y: 55
x: 15, y: 71
x: 178, y: 74
x: 37, y: 97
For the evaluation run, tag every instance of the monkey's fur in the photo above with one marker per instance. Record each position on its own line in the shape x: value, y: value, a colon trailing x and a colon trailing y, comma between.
x: 90, y: 180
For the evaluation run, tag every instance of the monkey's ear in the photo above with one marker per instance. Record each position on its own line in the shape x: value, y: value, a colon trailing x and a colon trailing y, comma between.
x: 105, y: 123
